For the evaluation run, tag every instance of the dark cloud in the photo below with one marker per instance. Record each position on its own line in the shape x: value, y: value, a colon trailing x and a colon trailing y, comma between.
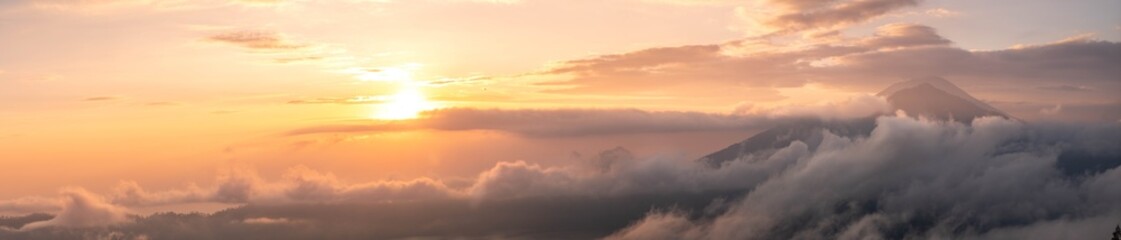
x: 1077, y: 62
x: 920, y: 179
x: 529, y: 218
x: 808, y: 15
x: 17, y: 222
x: 734, y: 70
x: 919, y: 51
x: 257, y: 40
x: 1069, y: 88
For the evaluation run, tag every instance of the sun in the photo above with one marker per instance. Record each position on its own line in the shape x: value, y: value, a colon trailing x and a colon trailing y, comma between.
x: 407, y: 103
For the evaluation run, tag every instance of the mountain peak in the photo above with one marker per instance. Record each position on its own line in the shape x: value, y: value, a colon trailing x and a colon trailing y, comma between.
x: 937, y: 97
x: 934, y: 81
x: 931, y: 97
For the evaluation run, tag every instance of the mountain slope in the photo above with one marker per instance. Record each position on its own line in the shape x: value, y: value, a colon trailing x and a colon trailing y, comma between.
x: 937, y: 98
x: 930, y: 97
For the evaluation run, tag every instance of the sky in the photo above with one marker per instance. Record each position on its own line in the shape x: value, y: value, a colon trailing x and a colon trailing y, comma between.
x: 173, y: 97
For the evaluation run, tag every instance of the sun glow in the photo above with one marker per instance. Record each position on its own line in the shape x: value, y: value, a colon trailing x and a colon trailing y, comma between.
x: 407, y: 103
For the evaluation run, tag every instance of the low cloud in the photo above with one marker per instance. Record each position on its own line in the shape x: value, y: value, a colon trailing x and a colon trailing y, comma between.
x: 590, y: 122
x: 851, y: 108
x: 910, y: 178
x: 551, y: 122
x: 81, y: 208
x: 299, y: 184
x: 29, y: 205
x: 544, y: 123
x: 918, y: 179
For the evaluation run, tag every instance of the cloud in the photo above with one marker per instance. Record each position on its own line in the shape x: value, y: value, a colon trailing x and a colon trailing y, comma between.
x: 129, y: 193
x: 942, y: 12
x: 904, y: 35
x: 28, y: 205
x: 551, y: 122
x: 658, y: 226
x: 746, y: 62
x: 798, y: 15
x: 737, y: 70
x: 299, y: 184
x: 102, y: 6
x: 100, y: 98
x: 1078, y: 61
x: 353, y: 100
x: 297, y: 59
x: 918, y: 179
x: 256, y: 40
x: 590, y: 122
x: 81, y: 208
x: 858, y: 106
x: 909, y: 178
x: 1052, y: 111
x: 546, y: 123
x: 265, y: 220
x: 1069, y: 88
x: 697, y: 2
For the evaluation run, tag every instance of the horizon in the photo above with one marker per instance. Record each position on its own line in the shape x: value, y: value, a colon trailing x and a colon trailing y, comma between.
x: 645, y: 119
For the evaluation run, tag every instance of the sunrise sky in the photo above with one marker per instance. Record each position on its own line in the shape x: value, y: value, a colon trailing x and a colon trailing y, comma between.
x: 169, y: 94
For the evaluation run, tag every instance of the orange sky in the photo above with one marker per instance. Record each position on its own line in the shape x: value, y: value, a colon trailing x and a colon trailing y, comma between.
x: 169, y: 92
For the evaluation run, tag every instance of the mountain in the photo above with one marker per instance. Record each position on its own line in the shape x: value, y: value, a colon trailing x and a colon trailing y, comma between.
x: 930, y: 97
x: 935, y: 97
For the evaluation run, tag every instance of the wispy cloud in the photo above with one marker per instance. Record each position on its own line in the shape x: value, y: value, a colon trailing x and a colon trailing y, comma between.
x: 1069, y: 88
x: 353, y: 100
x: 256, y: 39
x: 101, y: 98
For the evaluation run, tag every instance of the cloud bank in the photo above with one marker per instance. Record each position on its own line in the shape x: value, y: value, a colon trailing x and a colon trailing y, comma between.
x: 910, y: 178
x: 590, y: 122
x: 918, y: 179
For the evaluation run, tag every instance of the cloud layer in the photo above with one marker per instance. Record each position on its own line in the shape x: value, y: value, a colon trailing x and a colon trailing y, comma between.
x: 910, y: 178
x: 917, y: 179
x: 589, y: 122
